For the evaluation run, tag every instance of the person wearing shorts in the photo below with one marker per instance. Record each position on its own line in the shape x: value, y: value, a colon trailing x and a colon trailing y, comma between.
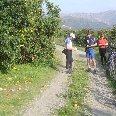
x: 90, y: 43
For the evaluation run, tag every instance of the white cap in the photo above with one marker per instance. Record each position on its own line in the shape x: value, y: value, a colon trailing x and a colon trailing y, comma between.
x: 72, y: 35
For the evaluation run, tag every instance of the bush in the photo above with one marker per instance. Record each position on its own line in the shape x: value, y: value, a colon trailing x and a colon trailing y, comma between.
x: 26, y: 34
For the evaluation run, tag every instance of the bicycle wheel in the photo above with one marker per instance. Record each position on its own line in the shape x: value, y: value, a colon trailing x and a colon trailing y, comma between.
x: 107, y: 68
x: 112, y: 68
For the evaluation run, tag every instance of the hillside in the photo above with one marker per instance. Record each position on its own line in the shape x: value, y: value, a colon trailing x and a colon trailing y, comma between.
x: 89, y: 20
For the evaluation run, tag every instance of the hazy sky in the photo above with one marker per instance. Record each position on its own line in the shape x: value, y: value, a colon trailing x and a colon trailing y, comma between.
x: 86, y: 6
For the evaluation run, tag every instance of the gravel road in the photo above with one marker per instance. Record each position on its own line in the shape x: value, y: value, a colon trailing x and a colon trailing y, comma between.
x: 51, y: 98
x: 100, y: 98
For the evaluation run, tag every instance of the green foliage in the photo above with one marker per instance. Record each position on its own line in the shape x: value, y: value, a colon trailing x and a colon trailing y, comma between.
x: 113, y: 37
x: 113, y: 32
x: 11, y: 13
x: 27, y: 33
x: 19, y: 87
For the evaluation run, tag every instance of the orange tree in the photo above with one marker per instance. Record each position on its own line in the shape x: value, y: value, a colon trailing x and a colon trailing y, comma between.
x: 26, y: 32
x: 113, y: 36
x: 13, y: 14
x: 46, y: 29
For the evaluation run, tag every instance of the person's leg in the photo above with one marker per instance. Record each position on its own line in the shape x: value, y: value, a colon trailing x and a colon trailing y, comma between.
x: 102, y: 59
x: 70, y: 61
x: 88, y: 60
x: 101, y: 55
x: 70, y: 64
x: 104, y: 55
x: 67, y: 64
x: 94, y: 63
x: 67, y: 60
x: 93, y: 58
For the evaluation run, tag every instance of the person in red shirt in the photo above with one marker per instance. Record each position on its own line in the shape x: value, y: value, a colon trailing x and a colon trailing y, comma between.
x: 102, y: 43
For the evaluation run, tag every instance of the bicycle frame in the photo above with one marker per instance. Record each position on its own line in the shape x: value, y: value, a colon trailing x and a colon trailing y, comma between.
x: 111, y: 63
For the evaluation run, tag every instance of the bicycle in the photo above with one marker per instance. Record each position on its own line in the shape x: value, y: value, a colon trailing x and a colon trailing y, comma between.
x: 111, y: 63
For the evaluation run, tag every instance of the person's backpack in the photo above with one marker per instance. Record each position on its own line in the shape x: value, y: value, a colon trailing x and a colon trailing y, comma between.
x: 64, y: 51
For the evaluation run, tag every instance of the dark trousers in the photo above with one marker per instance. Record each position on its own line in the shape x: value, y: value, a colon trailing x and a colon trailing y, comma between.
x: 102, y: 52
x: 69, y: 59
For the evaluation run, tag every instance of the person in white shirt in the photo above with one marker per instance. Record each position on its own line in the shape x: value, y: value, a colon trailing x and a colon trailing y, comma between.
x: 69, y: 48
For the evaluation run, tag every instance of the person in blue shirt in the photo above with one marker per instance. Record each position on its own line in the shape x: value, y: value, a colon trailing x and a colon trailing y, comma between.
x: 69, y: 48
x: 90, y: 43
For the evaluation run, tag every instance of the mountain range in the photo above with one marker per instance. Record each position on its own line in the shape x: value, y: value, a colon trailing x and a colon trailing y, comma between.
x: 88, y: 20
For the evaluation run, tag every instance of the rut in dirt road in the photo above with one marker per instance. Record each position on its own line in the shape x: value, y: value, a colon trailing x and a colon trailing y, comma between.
x: 101, y: 100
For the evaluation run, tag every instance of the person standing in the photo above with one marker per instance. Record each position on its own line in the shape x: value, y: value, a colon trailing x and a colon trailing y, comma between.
x: 90, y: 43
x: 69, y: 48
x: 102, y: 43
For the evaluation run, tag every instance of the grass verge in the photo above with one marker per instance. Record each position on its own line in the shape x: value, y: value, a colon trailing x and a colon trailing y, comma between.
x: 77, y: 91
x: 20, y: 85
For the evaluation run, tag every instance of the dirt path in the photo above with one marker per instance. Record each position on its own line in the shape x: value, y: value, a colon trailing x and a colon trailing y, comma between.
x: 51, y: 98
x: 100, y: 98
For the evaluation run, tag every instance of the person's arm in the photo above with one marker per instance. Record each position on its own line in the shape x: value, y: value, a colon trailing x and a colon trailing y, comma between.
x: 94, y: 45
x: 67, y: 47
x: 106, y: 43
x: 73, y: 48
x: 67, y: 43
x: 99, y: 44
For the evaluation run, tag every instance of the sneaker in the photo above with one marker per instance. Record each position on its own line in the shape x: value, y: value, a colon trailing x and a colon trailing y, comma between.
x: 70, y: 70
x: 94, y: 71
x: 67, y: 71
